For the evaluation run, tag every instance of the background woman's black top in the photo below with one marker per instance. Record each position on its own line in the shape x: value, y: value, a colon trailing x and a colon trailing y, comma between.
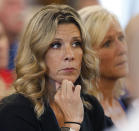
x: 17, y: 114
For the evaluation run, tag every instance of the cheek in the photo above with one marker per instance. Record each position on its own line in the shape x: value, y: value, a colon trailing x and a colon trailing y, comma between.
x: 106, y: 60
x: 52, y: 61
x: 78, y: 56
x: 52, y: 68
x: 52, y: 64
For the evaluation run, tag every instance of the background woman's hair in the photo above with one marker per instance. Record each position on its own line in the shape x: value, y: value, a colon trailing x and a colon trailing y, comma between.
x: 97, y: 21
x: 30, y: 66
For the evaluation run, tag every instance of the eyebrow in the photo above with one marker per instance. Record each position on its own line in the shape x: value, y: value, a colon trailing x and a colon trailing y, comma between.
x: 57, y: 39
x: 107, y: 37
x: 74, y: 38
x: 77, y: 37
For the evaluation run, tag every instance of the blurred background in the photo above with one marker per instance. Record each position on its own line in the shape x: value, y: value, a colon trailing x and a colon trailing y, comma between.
x: 124, y: 9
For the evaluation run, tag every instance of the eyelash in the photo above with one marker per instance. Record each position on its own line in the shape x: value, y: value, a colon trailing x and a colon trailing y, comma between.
x: 121, y: 37
x: 78, y: 44
x: 107, y: 43
x: 56, y: 45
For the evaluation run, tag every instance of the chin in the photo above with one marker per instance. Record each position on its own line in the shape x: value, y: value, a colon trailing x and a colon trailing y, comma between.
x: 122, y: 74
x: 72, y: 79
x: 125, y: 71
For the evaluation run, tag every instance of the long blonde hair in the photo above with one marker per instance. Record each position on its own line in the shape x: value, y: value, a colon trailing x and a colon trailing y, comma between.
x: 97, y: 21
x: 30, y: 67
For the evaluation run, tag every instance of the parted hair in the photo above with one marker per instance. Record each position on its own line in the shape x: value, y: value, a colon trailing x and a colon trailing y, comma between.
x: 97, y: 21
x: 30, y: 66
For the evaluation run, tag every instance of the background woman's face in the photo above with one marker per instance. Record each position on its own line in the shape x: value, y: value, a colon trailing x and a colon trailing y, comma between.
x: 113, y: 53
x: 64, y: 56
x: 4, y: 48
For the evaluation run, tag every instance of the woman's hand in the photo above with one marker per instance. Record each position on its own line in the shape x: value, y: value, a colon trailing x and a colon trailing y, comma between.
x: 69, y: 101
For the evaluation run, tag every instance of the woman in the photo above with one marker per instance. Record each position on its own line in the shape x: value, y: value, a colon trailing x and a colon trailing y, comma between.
x: 108, y: 41
x: 55, y: 68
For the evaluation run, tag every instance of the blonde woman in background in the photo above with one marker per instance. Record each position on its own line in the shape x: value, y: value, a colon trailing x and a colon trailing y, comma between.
x: 55, y: 68
x: 132, y: 37
x: 108, y: 40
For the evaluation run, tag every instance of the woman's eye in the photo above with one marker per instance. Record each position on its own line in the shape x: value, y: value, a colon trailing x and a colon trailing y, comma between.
x: 121, y: 37
x: 76, y: 44
x: 107, y: 44
x: 55, y: 45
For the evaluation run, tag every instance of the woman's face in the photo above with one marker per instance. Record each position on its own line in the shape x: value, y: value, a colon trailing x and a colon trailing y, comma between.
x: 64, y: 56
x: 113, y: 53
x: 4, y: 48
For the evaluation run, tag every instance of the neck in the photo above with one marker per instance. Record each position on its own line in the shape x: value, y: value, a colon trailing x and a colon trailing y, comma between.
x: 52, y: 88
x: 106, y: 86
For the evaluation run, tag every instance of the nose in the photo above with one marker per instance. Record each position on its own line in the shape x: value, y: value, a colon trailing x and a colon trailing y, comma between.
x: 69, y: 53
x: 122, y: 48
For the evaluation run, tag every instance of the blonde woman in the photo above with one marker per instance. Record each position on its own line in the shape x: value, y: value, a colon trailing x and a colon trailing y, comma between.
x: 55, y: 68
x: 107, y: 39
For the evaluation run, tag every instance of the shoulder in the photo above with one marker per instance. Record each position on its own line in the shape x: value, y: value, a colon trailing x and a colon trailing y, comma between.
x: 15, y: 101
x: 17, y: 112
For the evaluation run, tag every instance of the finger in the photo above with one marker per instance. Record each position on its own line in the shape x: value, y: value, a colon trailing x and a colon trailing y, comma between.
x: 57, y: 95
x: 64, y: 87
x: 77, y: 90
x: 70, y: 87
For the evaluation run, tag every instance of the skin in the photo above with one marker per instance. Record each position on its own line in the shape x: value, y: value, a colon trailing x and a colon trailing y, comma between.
x: 4, y: 48
x: 63, y: 60
x: 64, y: 56
x: 113, y: 53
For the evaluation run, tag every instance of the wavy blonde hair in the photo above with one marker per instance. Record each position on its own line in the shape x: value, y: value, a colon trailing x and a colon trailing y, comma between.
x: 97, y: 21
x: 30, y: 66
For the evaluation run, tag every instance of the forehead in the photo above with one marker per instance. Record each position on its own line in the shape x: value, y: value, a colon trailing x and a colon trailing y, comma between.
x: 114, y: 28
x: 67, y: 29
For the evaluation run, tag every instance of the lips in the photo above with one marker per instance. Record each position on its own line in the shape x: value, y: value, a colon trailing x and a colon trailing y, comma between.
x: 69, y: 69
x: 121, y: 63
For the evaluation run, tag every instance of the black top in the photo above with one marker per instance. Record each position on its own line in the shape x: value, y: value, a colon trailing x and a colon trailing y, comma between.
x: 17, y: 114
